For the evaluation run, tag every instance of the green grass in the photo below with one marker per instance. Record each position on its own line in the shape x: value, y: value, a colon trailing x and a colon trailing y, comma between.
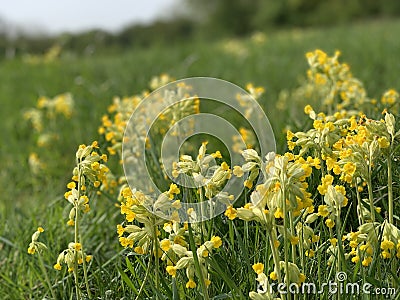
x: 370, y: 48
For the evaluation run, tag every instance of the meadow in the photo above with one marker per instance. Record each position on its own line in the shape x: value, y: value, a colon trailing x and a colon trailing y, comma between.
x: 32, y: 198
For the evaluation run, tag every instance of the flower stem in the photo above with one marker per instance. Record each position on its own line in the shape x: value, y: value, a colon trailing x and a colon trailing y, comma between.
x: 155, y: 255
x: 197, y: 263
x: 371, y: 197
x: 285, y: 238
x: 76, y: 232
x: 359, y: 207
x: 85, y: 271
x: 390, y: 188
x: 275, y: 256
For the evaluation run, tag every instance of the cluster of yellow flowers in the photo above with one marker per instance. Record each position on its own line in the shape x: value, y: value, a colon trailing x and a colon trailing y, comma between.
x: 179, y: 257
x: 142, y: 228
x: 343, y: 147
x: 51, y: 55
x: 88, y: 170
x: 44, y: 119
x: 35, y: 245
x: 89, y: 174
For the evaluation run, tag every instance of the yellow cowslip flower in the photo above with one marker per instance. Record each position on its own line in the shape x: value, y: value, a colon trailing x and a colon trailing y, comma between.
x: 349, y: 168
x: 291, y: 145
x: 390, y: 97
x: 71, y: 222
x: 330, y: 223
x: 340, y: 189
x: 338, y: 145
x: 77, y: 246
x: 238, y: 171
x: 173, y: 190
x: 190, y: 210
x: 290, y: 156
x: 71, y: 185
x: 367, y: 248
x: 289, y: 135
x: 276, y: 243
x: 366, y: 261
x: 130, y: 216
x: 336, y: 169
x: 84, y: 199
x: 125, y: 242
x: 308, y: 109
x: 383, y: 142
x: 67, y: 194
x: 302, y: 278
x: 96, y: 183
x: 88, y: 258
x: 318, y: 124
x: 278, y: 213
x: 294, y: 240
x: 326, y: 181
x: 57, y: 266
x: 310, y: 253
x: 207, y: 281
x: 139, y: 250
x: 330, y: 163
x: 165, y: 245
x: 40, y: 229
x: 323, y: 210
x: 190, y: 284
x: 217, y: 154
x: 330, y: 126
x: 386, y: 254
x: 231, y: 212
x: 217, y: 242
x: 333, y: 241
x: 204, y: 253
x: 31, y: 250
x: 95, y: 166
x: 248, y: 184
x: 315, y: 238
x: 355, y: 259
x: 387, y: 245
x: 320, y: 79
x: 120, y: 230
x: 109, y: 135
x: 273, y: 275
x: 345, y: 153
x: 171, y: 270
x: 111, y: 151
x: 353, y: 244
x: 101, y: 130
x: 321, y: 56
x: 258, y: 268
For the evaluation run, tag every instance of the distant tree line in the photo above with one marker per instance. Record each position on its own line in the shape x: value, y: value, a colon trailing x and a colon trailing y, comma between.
x: 205, y: 19
x: 239, y: 17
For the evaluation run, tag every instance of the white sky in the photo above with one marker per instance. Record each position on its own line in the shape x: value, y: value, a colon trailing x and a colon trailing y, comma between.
x: 55, y: 16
